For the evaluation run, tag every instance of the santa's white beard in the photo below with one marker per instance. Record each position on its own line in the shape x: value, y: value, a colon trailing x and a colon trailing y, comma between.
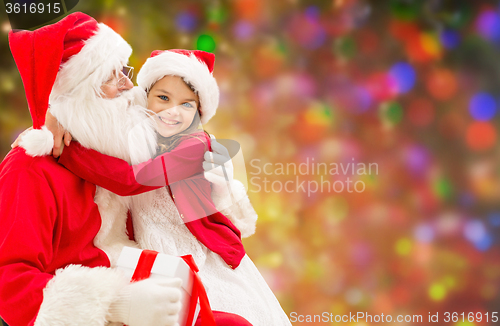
x: 116, y: 128
x: 110, y: 126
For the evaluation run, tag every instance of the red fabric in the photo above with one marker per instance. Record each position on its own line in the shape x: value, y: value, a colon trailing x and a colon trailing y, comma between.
x: 130, y: 227
x: 198, y: 293
x: 48, y: 220
x: 225, y: 319
x: 105, y: 171
x: 83, y: 28
x: 38, y: 55
x: 143, y: 269
x: 191, y: 191
x: 203, y: 56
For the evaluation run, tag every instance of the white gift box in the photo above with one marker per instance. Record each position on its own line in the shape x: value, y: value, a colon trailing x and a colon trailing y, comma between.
x: 164, y: 266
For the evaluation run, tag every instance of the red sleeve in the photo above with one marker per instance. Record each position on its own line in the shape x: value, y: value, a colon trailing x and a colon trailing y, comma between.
x: 119, y: 177
x: 26, y: 231
x: 105, y: 171
x: 168, y: 168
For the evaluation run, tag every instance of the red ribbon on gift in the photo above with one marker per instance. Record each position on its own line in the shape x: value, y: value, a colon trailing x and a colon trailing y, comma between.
x: 143, y: 271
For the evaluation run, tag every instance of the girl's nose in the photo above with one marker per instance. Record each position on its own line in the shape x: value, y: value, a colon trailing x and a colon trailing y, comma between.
x: 174, y: 110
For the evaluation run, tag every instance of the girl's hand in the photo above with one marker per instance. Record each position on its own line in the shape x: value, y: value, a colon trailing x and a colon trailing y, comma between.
x: 59, y: 134
x: 218, y: 163
x: 218, y: 168
x: 18, y: 139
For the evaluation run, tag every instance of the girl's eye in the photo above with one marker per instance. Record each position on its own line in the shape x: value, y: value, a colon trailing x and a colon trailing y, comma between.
x: 163, y: 97
x: 188, y: 105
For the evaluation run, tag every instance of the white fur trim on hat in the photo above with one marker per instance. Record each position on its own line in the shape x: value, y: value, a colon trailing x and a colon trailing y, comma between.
x: 80, y: 296
x: 191, y: 70
x: 102, y: 53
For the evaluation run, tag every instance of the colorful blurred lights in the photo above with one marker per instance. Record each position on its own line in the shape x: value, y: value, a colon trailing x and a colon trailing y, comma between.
x: 474, y: 230
x: 417, y: 159
x: 404, y: 76
x: 205, y: 43
x: 391, y: 113
x: 307, y: 31
x: 482, y: 106
x: 421, y: 112
x: 476, y: 233
x: 488, y: 25
x: 424, y: 233
x: 494, y: 219
x: 186, y: 21
x: 481, y: 136
x: 485, y: 243
x: 319, y: 114
x: 450, y: 38
x: 312, y: 12
x: 442, y: 188
x: 437, y: 292
x: 441, y: 84
x: 403, y: 247
x: 243, y: 30
x: 430, y: 45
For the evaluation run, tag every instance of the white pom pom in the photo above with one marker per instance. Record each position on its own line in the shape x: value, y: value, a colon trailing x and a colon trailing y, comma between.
x: 38, y: 142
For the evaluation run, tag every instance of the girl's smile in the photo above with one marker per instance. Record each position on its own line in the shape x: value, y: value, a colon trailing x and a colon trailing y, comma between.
x: 174, y: 103
x: 168, y: 122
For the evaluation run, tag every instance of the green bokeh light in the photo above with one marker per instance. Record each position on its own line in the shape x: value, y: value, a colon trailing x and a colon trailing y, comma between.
x: 407, y: 10
x: 205, y: 43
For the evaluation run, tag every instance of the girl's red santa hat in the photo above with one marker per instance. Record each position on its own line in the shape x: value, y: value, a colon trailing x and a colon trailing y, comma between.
x: 65, y: 58
x: 194, y: 66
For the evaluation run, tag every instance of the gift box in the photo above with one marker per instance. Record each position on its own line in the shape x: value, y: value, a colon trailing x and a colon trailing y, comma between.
x: 140, y: 264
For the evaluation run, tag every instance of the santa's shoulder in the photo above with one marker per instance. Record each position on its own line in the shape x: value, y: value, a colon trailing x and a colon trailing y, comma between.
x: 17, y: 162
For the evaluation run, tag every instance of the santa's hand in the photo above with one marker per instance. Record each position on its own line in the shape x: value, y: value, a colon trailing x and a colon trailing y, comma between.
x: 150, y: 302
x: 59, y: 134
x: 218, y: 166
x: 18, y: 139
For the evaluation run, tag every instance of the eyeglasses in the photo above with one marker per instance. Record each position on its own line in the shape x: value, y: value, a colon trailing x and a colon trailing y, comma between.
x: 127, y: 72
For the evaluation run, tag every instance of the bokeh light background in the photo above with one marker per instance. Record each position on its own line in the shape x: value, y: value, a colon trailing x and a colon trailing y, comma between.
x: 413, y: 86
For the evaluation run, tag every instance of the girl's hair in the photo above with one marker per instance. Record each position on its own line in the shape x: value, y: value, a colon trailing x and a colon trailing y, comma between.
x: 167, y: 144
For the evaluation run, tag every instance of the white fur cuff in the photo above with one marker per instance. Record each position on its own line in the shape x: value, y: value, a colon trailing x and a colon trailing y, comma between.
x: 80, y: 296
x: 38, y: 142
x: 241, y: 214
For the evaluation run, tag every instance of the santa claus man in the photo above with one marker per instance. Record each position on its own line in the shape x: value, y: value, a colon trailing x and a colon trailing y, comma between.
x: 51, y: 273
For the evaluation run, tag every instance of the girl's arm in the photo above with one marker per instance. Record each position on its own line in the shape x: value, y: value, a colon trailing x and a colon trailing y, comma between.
x: 119, y: 177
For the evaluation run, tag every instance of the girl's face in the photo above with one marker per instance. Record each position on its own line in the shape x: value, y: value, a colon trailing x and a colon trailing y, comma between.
x: 174, y: 103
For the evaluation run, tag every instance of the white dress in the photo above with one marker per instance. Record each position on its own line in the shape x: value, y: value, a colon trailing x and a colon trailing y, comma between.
x: 242, y: 291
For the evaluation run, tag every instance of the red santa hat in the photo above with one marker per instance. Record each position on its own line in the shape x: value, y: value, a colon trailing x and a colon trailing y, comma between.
x: 195, y: 67
x: 56, y: 59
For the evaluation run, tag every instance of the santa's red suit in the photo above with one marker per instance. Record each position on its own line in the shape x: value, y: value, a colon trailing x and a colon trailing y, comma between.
x: 48, y: 220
